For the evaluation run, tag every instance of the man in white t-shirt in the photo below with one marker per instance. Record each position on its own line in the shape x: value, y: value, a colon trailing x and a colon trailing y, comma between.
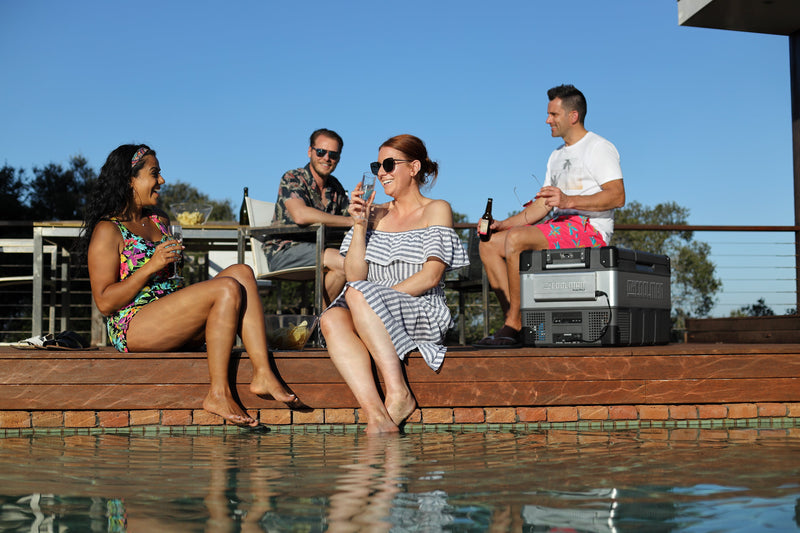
x: 574, y: 208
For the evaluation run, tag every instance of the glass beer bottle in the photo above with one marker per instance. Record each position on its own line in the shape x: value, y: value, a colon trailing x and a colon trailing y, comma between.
x: 484, y: 224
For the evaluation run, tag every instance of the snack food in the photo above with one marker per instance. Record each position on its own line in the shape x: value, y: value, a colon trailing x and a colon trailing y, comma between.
x: 289, y: 337
x: 190, y: 218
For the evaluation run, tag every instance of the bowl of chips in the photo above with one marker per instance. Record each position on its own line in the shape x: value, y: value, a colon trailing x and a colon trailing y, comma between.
x: 289, y: 332
x: 191, y: 214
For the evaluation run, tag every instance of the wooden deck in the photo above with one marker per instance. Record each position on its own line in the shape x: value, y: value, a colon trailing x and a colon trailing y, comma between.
x: 528, y: 385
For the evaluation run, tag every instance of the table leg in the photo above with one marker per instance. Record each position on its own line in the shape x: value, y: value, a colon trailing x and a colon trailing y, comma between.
x: 38, y: 271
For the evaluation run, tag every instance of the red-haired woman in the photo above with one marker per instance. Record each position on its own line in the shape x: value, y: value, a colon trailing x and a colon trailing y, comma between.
x: 393, y: 303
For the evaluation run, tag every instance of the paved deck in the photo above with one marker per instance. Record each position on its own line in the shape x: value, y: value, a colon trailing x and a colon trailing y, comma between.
x: 676, y: 383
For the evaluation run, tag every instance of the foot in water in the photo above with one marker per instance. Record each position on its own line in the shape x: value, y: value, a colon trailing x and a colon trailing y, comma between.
x: 401, y: 407
x: 227, y: 408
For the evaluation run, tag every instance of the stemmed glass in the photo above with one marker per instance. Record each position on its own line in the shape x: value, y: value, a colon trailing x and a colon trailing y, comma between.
x: 176, y: 231
x: 368, y: 186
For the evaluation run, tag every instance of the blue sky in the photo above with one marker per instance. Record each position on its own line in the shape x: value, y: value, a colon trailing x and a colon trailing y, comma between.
x: 228, y: 92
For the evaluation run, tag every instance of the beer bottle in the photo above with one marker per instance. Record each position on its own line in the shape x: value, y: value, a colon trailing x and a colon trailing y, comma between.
x: 485, y: 222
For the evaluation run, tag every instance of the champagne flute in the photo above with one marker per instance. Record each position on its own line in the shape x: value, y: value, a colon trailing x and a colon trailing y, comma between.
x: 176, y: 231
x: 368, y: 185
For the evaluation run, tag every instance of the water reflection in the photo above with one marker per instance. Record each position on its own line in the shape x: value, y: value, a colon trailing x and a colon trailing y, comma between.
x: 654, y: 480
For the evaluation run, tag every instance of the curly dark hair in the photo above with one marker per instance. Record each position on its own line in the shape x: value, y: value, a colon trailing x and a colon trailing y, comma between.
x: 111, y: 194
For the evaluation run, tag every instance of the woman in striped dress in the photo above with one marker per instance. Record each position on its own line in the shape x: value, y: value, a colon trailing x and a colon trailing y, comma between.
x: 393, y: 302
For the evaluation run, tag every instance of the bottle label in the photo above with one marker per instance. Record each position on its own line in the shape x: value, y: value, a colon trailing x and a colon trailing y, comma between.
x: 483, y: 227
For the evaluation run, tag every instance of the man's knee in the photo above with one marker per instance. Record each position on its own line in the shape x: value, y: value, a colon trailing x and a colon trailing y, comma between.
x: 524, y: 238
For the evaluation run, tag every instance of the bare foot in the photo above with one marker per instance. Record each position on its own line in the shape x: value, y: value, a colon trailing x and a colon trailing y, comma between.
x: 401, y: 407
x: 382, y: 426
x: 227, y: 408
x: 266, y: 384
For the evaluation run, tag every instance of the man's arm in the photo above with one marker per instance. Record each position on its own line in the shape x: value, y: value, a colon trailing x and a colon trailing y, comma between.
x: 611, y: 196
x: 531, y: 214
x: 303, y: 214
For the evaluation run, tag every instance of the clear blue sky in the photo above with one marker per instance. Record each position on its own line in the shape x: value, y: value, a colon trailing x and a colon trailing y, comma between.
x: 228, y: 92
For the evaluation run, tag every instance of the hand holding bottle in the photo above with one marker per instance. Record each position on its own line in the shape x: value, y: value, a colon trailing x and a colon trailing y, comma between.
x: 485, y: 223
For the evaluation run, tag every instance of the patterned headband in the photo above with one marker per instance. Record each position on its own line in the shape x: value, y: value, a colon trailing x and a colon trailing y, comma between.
x: 138, y: 155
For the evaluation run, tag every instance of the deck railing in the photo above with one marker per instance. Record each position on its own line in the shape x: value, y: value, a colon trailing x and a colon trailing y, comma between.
x: 753, y: 262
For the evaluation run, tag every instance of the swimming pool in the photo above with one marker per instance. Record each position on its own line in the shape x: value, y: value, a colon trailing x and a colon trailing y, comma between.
x: 676, y: 479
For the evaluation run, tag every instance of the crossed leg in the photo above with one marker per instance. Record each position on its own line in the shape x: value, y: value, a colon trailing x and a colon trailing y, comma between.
x: 214, y: 311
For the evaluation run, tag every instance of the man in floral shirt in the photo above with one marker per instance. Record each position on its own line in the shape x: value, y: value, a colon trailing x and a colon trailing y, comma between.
x: 311, y: 195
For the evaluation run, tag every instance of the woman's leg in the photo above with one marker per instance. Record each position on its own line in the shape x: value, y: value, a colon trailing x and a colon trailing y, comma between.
x: 353, y: 362
x: 171, y: 322
x: 334, y: 274
x: 400, y: 402
x: 254, y: 336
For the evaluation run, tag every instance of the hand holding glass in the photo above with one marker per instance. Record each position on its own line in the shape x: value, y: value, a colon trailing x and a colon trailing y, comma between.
x: 176, y: 231
x: 368, y: 187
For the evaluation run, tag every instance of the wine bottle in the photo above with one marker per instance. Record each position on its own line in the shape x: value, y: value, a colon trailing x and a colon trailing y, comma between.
x: 484, y: 229
x: 244, y: 216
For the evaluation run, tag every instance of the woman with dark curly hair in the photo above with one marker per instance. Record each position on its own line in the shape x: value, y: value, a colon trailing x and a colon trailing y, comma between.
x: 130, y: 255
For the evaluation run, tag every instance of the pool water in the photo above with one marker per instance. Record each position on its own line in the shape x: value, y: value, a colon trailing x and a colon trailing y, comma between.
x: 653, y: 480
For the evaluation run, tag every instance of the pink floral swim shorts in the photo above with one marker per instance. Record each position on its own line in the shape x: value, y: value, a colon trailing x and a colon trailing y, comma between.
x: 571, y: 231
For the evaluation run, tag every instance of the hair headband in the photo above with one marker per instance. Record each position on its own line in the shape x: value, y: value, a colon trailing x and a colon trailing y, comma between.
x: 138, y: 155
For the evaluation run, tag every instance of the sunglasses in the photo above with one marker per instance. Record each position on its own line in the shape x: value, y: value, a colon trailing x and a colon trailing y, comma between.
x: 321, y: 153
x: 387, y: 164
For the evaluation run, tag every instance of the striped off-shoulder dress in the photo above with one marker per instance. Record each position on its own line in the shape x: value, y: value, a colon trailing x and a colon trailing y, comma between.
x: 414, y: 322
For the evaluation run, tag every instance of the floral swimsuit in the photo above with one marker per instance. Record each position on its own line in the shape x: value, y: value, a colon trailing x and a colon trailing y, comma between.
x: 136, y: 251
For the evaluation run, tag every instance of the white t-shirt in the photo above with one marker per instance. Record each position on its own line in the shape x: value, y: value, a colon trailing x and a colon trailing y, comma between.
x: 580, y: 169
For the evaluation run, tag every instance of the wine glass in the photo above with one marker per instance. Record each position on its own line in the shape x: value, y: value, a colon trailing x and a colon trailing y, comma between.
x: 368, y: 185
x: 176, y: 231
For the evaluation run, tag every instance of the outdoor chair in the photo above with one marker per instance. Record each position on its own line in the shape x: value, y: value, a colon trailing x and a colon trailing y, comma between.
x: 471, y: 278
x: 261, y: 230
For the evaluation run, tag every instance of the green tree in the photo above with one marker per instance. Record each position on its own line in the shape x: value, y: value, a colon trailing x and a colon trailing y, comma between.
x: 694, y: 284
x: 60, y: 194
x: 181, y: 192
x: 760, y: 308
x: 13, y: 190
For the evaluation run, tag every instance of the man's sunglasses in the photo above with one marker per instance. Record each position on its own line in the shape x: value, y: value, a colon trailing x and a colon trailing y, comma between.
x: 387, y: 164
x: 321, y: 153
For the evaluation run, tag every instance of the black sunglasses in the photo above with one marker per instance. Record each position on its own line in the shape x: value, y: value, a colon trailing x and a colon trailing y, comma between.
x: 387, y: 164
x: 321, y: 153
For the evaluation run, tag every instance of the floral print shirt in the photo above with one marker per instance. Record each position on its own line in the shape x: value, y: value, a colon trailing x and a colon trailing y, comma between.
x: 299, y: 183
